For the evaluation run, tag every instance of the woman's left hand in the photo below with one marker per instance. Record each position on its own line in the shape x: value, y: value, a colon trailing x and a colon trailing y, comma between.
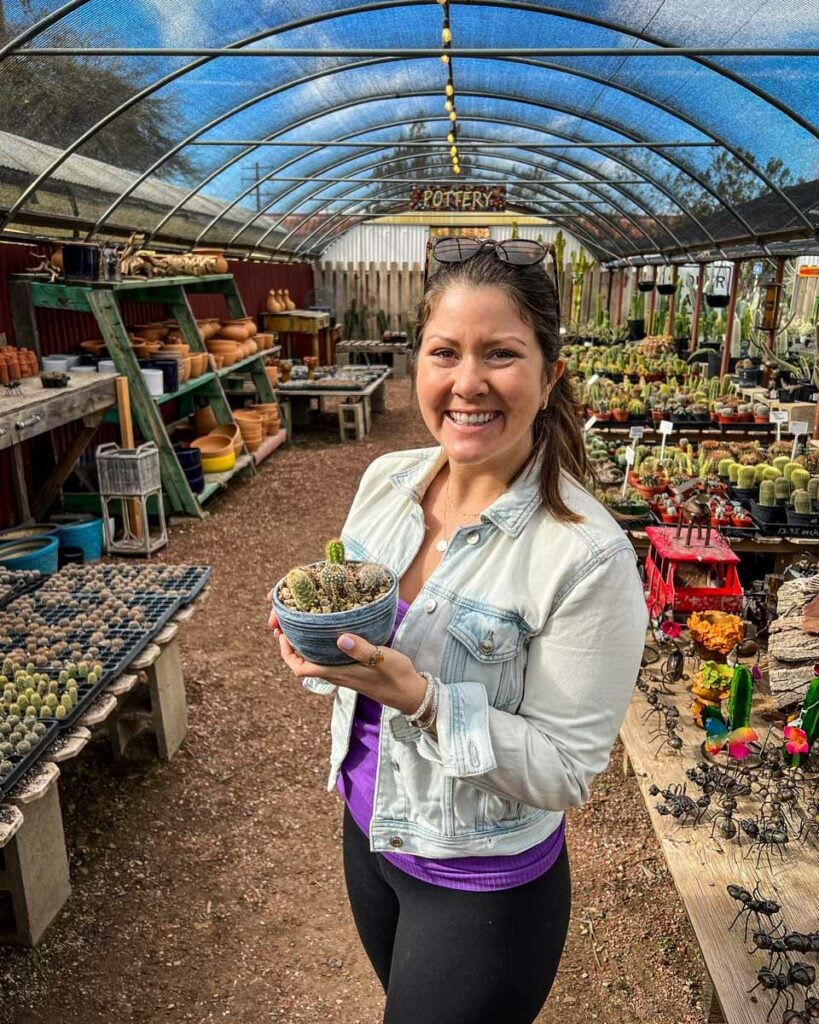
x: 381, y: 673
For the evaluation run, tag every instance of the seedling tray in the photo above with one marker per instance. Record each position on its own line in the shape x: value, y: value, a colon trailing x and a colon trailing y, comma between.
x: 193, y: 580
x: 23, y: 763
x: 22, y: 588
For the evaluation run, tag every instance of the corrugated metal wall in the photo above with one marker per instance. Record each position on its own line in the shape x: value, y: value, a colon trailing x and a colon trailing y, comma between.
x: 63, y: 331
x: 405, y: 243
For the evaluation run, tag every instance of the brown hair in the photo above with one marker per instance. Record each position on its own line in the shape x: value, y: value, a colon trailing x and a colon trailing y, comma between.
x: 556, y: 430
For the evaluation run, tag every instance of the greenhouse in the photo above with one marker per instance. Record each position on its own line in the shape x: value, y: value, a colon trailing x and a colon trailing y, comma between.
x: 423, y: 391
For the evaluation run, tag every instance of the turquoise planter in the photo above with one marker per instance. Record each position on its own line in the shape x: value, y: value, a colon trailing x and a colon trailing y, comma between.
x: 34, y: 553
x: 86, y: 536
x: 314, y: 636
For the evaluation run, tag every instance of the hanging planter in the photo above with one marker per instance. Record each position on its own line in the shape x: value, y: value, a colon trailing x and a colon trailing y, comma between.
x: 645, y: 286
x: 666, y: 289
x: 719, y: 291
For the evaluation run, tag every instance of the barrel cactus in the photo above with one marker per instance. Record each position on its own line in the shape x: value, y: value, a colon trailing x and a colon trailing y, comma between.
x: 733, y: 472
x: 759, y: 473
x: 788, y: 469
x: 770, y: 473
x: 800, y: 479
x: 767, y: 494
x: 781, y: 461
x: 802, y: 503
x: 722, y: 469
x: 746, y: 478
x: 782, y: 489
x: 813, y: 488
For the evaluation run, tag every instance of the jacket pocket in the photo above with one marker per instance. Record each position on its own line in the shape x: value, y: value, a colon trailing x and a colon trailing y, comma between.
x: 484, y: 647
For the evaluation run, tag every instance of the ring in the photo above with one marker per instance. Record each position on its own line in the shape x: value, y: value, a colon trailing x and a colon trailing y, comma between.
x: 375, y: 658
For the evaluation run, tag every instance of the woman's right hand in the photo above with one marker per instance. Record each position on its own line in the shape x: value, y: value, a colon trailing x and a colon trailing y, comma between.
x: 272, y: 619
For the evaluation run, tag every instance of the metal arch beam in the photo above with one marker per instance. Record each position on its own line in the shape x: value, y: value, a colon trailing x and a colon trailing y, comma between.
x: 559, y: 200
x: 381, y: 5
x: 40, y: 26
x: 375, y: 148
x: 649, y: 178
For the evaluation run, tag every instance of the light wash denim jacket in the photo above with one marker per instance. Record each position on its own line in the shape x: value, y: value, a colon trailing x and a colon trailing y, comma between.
x: 534, y: 627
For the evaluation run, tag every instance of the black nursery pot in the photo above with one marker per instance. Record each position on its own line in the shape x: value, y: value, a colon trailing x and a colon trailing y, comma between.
x: 645, y: 286
x: 636, y: 330
x: 666, y: 289
x: 766, y: 513
x: 800, y: 519
x: 716, y: 301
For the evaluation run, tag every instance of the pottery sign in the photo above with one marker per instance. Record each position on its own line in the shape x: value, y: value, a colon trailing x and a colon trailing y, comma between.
x: 466, y: 199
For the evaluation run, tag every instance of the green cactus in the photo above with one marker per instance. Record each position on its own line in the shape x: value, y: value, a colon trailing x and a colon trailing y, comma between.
x: 788, y: 468
x: 770, y: 472
x: 746, y: 478
x: 722, y: 469
x: 739, y: 698
x: 301, y: 587
x: 372, y: 578
x: 333, y: 581
x: 335, y: 552
x: 808, y: 721
x: 733, y: 472
x: 782, y: 489
x: 767, y: 494
x: 802, y: 503
x: 813, y: 488
x: 800, y: 479
x: 781, y: 461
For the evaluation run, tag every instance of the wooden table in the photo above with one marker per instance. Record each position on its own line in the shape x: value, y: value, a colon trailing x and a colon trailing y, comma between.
x: 397, y: 354
x: 302, y: 321
x: 702, y: 867
x: 33, y: 410
x: 373, y: 397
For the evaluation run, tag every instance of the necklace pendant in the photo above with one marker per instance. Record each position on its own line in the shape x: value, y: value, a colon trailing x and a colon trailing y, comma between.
x: 441, y: 545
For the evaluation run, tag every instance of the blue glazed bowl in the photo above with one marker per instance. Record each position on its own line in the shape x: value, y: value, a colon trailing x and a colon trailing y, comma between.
x: 314, y: 636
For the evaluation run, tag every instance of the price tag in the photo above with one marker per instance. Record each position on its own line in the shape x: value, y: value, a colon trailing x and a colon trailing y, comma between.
x: 595, y: 377
x: 665, y: 428
x: 778, y: 416
x: 773, y: 394
x: 630, y: 456
x: 587, y: 344
x: 636, y: 432
x: 797, y: 427
x: 590, y: 422
x: 814, y: 396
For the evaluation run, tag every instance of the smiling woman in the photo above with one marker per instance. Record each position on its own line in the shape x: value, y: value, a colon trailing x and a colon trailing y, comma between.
x: 518, y: 638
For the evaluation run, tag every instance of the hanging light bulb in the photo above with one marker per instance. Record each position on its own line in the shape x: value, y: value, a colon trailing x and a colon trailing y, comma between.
x: 448, y: 105
x: 446, y: 35
x: 453, y: 116
x: 450, y: 89
x: 450, y: 138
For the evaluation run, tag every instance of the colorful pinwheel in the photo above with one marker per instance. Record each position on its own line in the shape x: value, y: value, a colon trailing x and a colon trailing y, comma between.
x: 736, y: 741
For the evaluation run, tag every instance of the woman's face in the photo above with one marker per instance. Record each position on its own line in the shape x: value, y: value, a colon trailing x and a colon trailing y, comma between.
x: 481, y: 377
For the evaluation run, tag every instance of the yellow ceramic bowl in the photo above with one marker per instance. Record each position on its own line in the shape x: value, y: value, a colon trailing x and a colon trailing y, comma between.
x: 219, y: 464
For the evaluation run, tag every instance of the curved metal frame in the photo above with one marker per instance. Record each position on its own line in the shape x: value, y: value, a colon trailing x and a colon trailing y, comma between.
x: 385, y: 4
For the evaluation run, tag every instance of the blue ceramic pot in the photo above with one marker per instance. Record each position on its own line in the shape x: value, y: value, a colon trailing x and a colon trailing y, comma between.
x: 314, y: 636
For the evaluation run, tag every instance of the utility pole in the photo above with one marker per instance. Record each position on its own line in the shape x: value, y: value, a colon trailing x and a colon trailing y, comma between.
x: 256, y: 177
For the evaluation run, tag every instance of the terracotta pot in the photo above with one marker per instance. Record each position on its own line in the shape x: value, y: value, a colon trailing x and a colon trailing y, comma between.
x: 273, y: 375
x: 231, y: 432
x: 233, y: 331
x: 150, y: 332
x: 199, y: 363
x: 186, y: 369
x: 216, y: 362
x: 95, y: 346
x: 175, y: 337
x: 288, y: 302
x: 214, y: 446
x: 273, y: 304
x: 4, y: 372
x: 205, y: 420
x: 219, y: 255
x: 253, y: 446
x: 180, y: 347
x: 57, y: 258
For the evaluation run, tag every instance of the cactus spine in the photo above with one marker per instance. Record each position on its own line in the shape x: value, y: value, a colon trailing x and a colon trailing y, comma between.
x: 302, y: 589
x: 335, y: 551
x: 739, y: 699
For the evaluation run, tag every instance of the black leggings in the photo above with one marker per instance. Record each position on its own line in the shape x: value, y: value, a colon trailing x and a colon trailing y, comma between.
x: 444, y: 956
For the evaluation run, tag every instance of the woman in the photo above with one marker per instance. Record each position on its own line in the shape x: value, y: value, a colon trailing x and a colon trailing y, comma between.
x: 519, y: 635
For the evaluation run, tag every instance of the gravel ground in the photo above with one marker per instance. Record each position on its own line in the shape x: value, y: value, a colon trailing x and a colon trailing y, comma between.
x: 211, y: 889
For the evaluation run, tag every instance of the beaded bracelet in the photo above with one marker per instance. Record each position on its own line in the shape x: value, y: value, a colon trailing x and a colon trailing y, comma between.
x: 425, y: 714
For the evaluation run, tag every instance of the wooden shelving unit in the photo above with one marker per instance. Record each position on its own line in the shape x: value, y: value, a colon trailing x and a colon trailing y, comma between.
x: 101, y: 299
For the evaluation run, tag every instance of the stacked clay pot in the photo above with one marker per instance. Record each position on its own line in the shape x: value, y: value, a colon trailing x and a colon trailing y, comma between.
x: 17, y: 363
x: 270, y: 417
x: 229, y: 432
x: 251, y: 424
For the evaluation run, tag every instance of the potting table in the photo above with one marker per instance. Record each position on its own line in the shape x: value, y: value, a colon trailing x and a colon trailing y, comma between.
x: 702, y: 867
x: 32, y: 410
x: 373, y: 397
x: 302, y: 321
x: 397, y: 355
x: 144, y: 713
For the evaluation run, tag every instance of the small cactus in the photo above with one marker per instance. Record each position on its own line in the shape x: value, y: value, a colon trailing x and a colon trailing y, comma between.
x: 782, y: 489
x: 335, y: 552
x: 800, y: 479
x: 813, y: 488
x: 371, y: 578
x: 802, y: 503
x: 301, y: 587
x: 722, y: 469
x: 767, y: 494
x: 733, y: 472
x: 788, y: 468
x: 770, y: 473
x: 333, y: 579
x: 746, y: 478
x: 781, y: 461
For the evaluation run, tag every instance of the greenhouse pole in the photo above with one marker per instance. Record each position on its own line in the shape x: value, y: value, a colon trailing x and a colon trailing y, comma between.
x: 650, y: 312
x: 729, y: 318
x: 695, y: 310
x: 672, y: 300
x: 621, y: 287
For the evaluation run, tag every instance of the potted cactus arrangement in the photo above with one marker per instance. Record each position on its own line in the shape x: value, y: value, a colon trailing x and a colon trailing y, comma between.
x: 767, y: 509
x: 317, y: 603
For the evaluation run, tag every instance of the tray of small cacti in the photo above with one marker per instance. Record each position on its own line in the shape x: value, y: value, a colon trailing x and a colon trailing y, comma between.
x: 14, y: 584
x: 25, y: 729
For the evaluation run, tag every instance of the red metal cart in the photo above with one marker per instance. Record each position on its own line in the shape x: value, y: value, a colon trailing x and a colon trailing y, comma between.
x: 671, y: 566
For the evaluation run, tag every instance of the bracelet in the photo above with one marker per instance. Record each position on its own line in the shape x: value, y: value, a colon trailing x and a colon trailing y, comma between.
x: 419, y: 717
x: 428, y: 722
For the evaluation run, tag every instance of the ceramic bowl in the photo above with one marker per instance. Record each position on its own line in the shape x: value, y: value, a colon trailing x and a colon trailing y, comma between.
x: 219, y: 463
x: 314, y: 636
x: 230, y: 432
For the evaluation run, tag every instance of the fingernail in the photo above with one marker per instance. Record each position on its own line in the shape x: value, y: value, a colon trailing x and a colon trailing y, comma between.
x: 277, y: 632
x: 346, y: 643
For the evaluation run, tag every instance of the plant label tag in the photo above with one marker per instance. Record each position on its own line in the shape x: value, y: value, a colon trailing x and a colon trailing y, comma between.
x: 587, y: 344
x: 666, y: 427
x: 814, y: 396
x: 630, y: 456
x: 773, y: 395
x: 590, y: 422
x: 595, y: 377
x: 778, y: 416
x: 635, y: 433
x: 798, y: 427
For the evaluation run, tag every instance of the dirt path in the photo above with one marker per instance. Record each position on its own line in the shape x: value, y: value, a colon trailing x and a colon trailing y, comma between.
x: 210, y: 889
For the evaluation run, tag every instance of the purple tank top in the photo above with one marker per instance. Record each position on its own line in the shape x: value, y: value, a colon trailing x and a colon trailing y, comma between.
x: 356, y: 783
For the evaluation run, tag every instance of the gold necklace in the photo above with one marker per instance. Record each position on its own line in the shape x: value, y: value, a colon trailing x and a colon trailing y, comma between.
x: 443, y: 543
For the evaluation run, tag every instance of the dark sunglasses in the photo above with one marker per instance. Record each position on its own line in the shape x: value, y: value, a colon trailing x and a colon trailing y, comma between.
x: 518, y: 252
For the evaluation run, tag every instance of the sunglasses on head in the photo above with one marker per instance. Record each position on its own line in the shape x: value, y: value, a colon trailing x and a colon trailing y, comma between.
x: 518, y: 252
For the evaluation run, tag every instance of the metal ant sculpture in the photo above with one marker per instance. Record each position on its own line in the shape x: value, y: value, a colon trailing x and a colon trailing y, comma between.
x: 805, y: 1016
x: 679, y: 805
x: 723, y: 821
x: 12, y: 387
x: 752, y: 903
x: 765, y: 837
x: 797, y: 974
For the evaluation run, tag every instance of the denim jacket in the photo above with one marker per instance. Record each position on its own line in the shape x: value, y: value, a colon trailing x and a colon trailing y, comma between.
x: 535, y: 630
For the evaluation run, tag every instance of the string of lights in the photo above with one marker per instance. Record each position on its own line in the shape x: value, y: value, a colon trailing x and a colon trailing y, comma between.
x: 449, y: 102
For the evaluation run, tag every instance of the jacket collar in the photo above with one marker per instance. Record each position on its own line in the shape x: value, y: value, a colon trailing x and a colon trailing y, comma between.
x: 510, y: 512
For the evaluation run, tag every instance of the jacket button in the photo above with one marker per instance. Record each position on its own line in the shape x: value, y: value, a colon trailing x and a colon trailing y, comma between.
x: 396, y: 841
x: 430, y: 605
x: 486, y: 646
x: 473, y: 538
